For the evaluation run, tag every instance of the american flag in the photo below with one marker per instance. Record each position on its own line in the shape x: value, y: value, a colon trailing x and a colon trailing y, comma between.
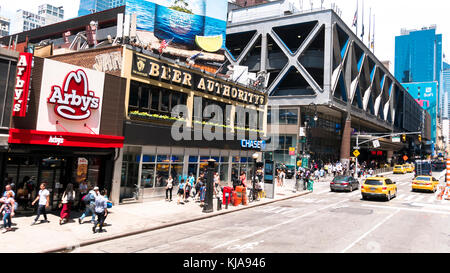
x: 164, y: 44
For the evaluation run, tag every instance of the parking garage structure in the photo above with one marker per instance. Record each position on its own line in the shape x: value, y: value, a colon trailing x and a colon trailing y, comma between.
x: 324, y: 79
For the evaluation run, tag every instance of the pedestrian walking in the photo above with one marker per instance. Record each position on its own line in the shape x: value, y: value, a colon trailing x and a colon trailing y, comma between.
x: 44, y: 202
x: 66, y: 204
x: 101, y: 210
x: 181, y: 193
x: 83, y: 189
x: 89, y: 200
x: 216, y: 184
x: 243, y: 179
x: 169, y: 188
x: 7, y: 210
x: 282, y: 177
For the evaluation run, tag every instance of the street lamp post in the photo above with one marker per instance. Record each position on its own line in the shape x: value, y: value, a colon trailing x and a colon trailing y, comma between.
x: 255, y: 158
x: 208, y: 207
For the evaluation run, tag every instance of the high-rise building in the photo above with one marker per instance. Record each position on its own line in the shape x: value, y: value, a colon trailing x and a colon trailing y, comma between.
x: 4, y: 26
x: 25, y: 20
x: 446, y: 89
x: 51, y: 14
x: 92, y: 6
x: 418, y: 55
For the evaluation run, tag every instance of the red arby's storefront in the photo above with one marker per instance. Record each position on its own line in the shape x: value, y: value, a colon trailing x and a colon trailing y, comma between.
x: 71, y: 131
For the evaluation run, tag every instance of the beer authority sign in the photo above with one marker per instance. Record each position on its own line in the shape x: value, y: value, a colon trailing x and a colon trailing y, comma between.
x: 148, y: 67
x: 71, y: 97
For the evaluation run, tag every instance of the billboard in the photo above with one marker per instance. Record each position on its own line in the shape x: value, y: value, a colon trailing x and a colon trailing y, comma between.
x: 427, y: 96
x: 186, y: 22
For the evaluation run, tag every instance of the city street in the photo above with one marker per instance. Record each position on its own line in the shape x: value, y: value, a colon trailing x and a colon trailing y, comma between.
x: 321, y: 222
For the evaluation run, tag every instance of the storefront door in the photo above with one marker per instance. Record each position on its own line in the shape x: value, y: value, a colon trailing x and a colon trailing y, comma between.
x: 53, y: 173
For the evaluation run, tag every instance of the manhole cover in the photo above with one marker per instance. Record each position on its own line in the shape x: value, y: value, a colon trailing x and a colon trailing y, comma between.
x: 353, y: 211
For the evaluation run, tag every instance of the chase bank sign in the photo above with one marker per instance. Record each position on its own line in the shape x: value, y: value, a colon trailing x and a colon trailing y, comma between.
x: 253, y: 144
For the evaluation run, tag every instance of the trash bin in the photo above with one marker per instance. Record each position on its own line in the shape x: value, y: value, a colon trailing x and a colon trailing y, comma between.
x: 310, y: 185
x: 240, y: 196
x: 236, y: 198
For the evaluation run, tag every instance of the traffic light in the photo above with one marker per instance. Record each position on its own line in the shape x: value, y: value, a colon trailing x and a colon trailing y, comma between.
x: 403, y: 138
x: 420, y: 138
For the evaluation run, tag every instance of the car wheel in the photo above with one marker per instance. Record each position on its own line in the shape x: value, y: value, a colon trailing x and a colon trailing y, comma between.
x: 388, y: 197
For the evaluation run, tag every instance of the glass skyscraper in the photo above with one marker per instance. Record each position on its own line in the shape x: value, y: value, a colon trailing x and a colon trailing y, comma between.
x: 446, y: 89
x: 418, y: 55
x: 92, y: 6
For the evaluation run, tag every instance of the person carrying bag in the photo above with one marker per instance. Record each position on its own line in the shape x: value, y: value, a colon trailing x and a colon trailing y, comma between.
x: 66, y: 203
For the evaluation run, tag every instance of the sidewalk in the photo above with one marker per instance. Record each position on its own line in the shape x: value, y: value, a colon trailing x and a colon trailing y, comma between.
x: 123, y: 220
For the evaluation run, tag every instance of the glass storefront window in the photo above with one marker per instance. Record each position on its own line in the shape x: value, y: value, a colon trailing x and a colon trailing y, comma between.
x: 192, y: 169
x: 163, y: 158
x: 155, y: 100
x: 223, y: 174
x: 193, y: 159
x: 217, y: 159
x: 235, y: 171
x: 148, y: 175
x: 148, y: 159
x: 177, y: 159
x: 176, y: 171
x: 94, y: 172
x: 162, y: 174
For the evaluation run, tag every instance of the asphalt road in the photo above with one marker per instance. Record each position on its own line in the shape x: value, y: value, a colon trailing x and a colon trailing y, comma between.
x: 321, y: 222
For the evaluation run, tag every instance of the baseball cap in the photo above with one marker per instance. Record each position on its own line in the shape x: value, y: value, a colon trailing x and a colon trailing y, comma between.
x: 96, y: 188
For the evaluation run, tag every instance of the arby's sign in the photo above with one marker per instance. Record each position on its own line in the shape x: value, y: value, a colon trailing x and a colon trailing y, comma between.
x: 22, y: 87
x: 73, y: 100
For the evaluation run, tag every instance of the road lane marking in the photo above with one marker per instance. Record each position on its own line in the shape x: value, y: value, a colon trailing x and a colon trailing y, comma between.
x: 408, y: 209
x: 410, y: 197
x: 419, y: 198
x: 370, y: 231
x: 277, y: 225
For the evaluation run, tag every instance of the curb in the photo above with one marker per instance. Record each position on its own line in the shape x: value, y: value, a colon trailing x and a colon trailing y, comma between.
x: 69, y: 248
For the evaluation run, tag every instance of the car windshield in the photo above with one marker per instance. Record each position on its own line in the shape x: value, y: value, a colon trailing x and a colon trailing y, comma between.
x: 398, y: 167
x: 341, y: 179
x: 423, y: 178
x: 374, y: 182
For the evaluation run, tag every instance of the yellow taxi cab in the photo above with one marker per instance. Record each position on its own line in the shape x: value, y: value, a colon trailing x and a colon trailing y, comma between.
x: 408, y: 167
x: 424, y: 182
x: 379, y: 187
x: 399, y: 169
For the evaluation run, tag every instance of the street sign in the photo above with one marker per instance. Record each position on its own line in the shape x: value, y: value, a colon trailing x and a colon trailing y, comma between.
x: 356, y: 153
x: 305, y: 163
x: 302, y: 132
x: 405, y: 158
x: 395, y: 139
x: 376, y: 143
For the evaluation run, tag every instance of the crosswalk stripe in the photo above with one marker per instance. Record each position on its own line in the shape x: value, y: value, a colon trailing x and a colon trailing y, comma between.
x: 419, y: 198
x: 409, y: 198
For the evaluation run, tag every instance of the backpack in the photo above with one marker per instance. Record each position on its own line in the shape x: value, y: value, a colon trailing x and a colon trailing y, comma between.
x: 87, y: 198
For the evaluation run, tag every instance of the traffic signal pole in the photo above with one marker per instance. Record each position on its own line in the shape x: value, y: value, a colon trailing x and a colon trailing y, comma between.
x: 376, y: 138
